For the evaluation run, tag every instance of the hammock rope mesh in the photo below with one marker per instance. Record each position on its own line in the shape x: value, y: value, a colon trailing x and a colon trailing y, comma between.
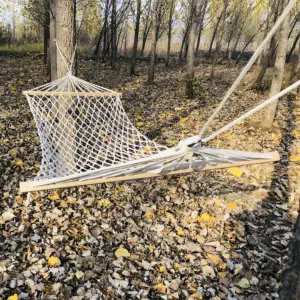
x: 84, y: 129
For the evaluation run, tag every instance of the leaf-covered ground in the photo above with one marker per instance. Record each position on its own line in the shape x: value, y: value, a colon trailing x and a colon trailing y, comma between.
x: 210, y: 235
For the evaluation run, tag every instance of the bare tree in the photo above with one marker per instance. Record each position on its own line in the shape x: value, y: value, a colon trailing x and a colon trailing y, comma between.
x: 171, y: 11
x: 217, y: 52
x: 113, y: 30
x: 136, y: 37
x: 278, y: 71
x: 190, y: 76
x: 151, y: 70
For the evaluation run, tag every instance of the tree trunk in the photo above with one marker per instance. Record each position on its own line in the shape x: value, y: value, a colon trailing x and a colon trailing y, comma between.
x: 214, y: 36
x: 183, y: 41
x: 293, y: 47
x: 154, y: 42
x: 52, y: 44
x: 278, y: 71
x: 190, y: 75
x: 136, y: 37
x: 201, y: 26
x: 170, y: 31
x: 219, y: 38
x: 113, y: 55
x: 65, y: 41
x: 105, y: 30
x: 46, y: 33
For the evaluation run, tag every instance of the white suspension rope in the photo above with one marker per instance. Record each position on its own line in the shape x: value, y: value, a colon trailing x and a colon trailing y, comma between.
x: 253, y: 111
x: 247, y: 67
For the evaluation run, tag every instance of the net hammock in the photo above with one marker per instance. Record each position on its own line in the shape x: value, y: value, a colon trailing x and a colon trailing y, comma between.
x: 86, y: 136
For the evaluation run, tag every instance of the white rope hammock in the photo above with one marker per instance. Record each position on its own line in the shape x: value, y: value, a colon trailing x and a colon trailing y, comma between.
x: 87, y: 138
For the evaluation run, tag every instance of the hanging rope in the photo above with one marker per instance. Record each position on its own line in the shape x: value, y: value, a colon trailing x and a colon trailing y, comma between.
x: 256, y: 54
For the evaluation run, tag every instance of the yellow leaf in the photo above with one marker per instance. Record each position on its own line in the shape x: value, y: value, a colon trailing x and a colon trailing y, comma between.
x: 139, y: 118
x: 122, y: 252
x: 222, y: 265
x: 19, y: 163
x: 54, y: 197
x: 13, y: 297
x: 295, y: 158
x: 177, y: 265
x: 164, y: 115
x: 181, y: 180
x: 215, y: 259
x: 218, y: 202
x: 162, y: 269
x: 13, y: 150
x: 54, y: 261
x: 222, y: 274
x: 197, y: 295
x: 206, y: 218
x: 104, y: 203
x: 182, y: 120
x: 231, y: 206
x: 149, y: 215
x: 139, y: 124
x: 235, y: 171
x: 5, y: 141
x: 151, y: 248
x: 230, y: 136
x: 35, y: 195
x: 160, y: 287
x: 147, y: 149
x: 163, y: 129
x: 296, y: 133
x: 180, y: 232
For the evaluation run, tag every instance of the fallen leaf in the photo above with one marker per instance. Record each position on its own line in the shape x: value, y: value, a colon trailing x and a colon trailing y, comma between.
x: 295, y: 158
x: 19, y: 163
x: 244, y: 283
x: 208, y: 271
x: 139, y: 124
x: 13, y: 297
x: 215, y: 259
x: 231, y: 206
x: 54, y: 261
x: 122, y: 252
x: 206, y: 218
x: 180, y: 232
x: 235, y: 171
x: 54, y: 197
x: 160, y: 287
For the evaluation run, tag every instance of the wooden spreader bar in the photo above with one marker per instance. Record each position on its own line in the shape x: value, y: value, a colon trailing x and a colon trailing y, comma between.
x: 27, y: 186
x: 87, y: 94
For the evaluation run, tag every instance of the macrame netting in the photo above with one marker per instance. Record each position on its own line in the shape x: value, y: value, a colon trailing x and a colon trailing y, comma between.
x: 83, y: 127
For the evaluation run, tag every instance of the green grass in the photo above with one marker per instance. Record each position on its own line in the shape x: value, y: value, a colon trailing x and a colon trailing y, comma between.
x: 21, y: 49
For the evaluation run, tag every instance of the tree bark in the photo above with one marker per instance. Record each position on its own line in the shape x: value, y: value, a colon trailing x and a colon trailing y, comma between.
x: 52, y: 44
x: 190, y: 75
x: 293, y: 47
x: 65, y: 41
x: 170, y: 31
x: 214, y: 36
x: 201, y: 26
x: 151, y: 70
x: 105, y: 29
x: 278, y: 71
x: 46, y: 32
x: 113, y: 55
x: 136, y: 37
x: 219, y: 38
